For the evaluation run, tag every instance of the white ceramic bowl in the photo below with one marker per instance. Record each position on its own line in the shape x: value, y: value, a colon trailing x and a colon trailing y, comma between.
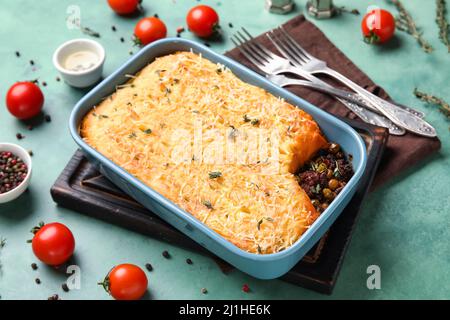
x: 84, y: 78
x: 25, y: 156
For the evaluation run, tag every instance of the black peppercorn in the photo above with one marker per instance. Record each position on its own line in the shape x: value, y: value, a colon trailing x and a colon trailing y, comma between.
x: 38, y: 281
x: 149, y: 267
x: 65, y: 287
x: 34, y: 266
x: 47, y: 118
x: 166, y: 254
x: 189, y: 261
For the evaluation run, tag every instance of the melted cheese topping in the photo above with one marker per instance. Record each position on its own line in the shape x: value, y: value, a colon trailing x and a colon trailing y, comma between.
x: 221, y: 149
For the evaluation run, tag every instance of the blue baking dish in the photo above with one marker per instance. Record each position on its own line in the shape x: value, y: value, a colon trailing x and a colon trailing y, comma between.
x: 267, y: 266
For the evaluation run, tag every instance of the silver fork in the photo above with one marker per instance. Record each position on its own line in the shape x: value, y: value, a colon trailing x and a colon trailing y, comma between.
x: 271, y: 64
x: 302, y: 59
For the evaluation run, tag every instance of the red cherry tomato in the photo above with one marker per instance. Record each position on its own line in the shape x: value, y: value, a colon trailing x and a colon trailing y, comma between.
x: 378, y: 26
x: 126, y: 282
x: 24, y: 100
x: 124, y: 6
x: 53, y: 244
x: 149, y: 29
x: 202, y: 20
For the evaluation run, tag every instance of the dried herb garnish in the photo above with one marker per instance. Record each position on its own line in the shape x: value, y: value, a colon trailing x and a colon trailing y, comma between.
x: 259, y: 249
x: 215, y: 174
x: 233, y: 133
x: 444, y: 107
x: 246, y: 118
x: 405, y: 22
x: 103, y: 116
x: 90, y: 32
x: 254, y: 122
x: 132, y: 135
x: 262, y: 220
x: 207, y: 204
x: 147, y: 131
x: 442, y: 23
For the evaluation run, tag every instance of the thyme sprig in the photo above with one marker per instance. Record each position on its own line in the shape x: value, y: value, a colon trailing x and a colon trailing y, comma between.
x: 405, y: 23
x: 442, y: 23
x: 444, y: 107
x: 340, y: 10
x: 89, y: 32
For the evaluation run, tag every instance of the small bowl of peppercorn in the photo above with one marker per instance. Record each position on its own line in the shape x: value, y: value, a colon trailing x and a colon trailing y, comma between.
x: 15, y: 171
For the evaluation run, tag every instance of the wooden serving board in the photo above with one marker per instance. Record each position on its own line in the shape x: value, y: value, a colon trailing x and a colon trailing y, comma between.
x: 82, y: 188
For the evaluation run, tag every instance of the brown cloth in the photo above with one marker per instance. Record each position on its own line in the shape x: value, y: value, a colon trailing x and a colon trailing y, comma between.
x: 401, y: 151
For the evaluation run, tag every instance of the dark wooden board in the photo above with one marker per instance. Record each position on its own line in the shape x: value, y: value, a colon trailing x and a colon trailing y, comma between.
x: 82, y: 188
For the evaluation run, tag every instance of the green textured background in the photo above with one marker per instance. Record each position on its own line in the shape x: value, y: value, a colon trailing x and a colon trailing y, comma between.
x: 404, y: 227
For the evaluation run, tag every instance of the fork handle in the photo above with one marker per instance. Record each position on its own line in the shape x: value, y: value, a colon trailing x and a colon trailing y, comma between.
x: 396, y: 114
x: 365, y: 114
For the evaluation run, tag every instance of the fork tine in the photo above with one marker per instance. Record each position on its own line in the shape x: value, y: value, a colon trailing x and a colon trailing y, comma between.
x: 282, y: 48
x: 252, y: 46
x: 295, y: 43
x: 247, y: 53
x: 292, y: 49
x: 260, y: 46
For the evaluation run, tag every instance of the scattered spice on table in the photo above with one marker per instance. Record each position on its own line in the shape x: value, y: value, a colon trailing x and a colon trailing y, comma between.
x: 53, y: 297
x: 17, y: 54
x: 166, y: 254
x: 34, y: 266
x: 47, y: 118
x: 65, y: 287
x: 32, y: 62
x: 58, y: 79
x: 149, y: 267
x: 19, y: 136
x: 189, y: 261
x: 122, y: 39
x: 230, y: 25
x: 405, y: 22
x: 12, y: 171
x: 204, y: 291
x: 44, y: 83
x: 246, y: 288
x: 442, y: 23
x: 38, y: 281
x: 207, y: 44
x: 30, y: 127
x: 30, y: 152
x: 113, y: 28
x: 180, y: 29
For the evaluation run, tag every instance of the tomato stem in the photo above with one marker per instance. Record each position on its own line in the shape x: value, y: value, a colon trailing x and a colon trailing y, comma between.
x: 371, y: 38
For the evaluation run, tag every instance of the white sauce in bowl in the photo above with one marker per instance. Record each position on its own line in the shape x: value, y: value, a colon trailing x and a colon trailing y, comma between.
x: 80, y: 60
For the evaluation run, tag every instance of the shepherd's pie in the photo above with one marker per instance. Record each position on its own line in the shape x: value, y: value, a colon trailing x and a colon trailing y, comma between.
x: 221, y: 149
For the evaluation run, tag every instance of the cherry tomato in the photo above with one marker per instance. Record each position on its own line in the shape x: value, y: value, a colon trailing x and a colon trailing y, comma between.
x: 126, y: 282
x: 24, y: 100
x: 149, y: 29
x: 53, y: 243
x: 378, y: 26
x: 124, y: 6
x: 202, y: 20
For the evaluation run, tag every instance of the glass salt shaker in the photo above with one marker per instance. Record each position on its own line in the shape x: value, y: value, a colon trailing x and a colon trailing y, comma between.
x: 321, y: 9
x: 280, y: 6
